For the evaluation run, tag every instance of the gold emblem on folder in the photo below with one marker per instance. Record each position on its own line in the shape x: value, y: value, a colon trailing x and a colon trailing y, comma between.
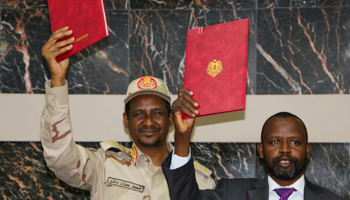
x: 214, y: 68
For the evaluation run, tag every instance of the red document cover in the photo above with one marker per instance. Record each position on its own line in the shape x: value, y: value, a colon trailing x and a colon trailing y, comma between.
x: 86, y: 18
x: 216, y: 67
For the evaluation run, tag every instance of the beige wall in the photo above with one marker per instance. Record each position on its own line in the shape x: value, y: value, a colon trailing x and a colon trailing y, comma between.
x: 99, y: 117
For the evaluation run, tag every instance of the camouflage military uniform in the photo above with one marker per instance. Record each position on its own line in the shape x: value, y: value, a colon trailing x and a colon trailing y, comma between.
x: 111, y: 172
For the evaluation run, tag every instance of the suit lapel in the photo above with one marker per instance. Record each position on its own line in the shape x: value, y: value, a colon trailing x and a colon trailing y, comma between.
x: 260, y: 191
x: 311, y: 191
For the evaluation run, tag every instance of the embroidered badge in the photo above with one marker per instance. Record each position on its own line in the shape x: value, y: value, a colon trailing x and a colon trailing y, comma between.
x: 134, y: 155
x: 147, y: 82
x: 214, y: 68
x: 125, y: 184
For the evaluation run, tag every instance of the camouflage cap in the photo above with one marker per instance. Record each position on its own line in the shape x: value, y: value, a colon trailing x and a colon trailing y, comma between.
x: 147, y: 85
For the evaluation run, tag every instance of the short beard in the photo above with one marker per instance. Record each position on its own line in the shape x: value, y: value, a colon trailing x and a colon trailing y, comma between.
x: 156, y: 129
x: 286, y: 174
x: 155, y: 143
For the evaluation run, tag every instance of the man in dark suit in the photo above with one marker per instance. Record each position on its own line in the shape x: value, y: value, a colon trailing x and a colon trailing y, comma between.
x: 284, y: 149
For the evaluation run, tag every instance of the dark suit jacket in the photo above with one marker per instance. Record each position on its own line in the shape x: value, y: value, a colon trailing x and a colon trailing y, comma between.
x: 183, y: 186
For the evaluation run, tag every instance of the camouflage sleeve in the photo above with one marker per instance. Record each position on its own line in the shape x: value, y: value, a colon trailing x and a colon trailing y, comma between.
x: 71, y: 163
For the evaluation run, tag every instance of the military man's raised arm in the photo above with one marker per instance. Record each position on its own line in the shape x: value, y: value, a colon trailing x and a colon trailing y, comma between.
x: 70, y: 162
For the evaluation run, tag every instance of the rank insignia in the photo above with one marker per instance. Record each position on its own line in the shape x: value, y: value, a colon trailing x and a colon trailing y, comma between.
x: 147, y: 82
x: 134, y: 155
x: 214, y: 68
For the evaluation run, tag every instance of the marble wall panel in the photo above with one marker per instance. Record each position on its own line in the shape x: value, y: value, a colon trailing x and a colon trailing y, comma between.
x: 330, y: 167
x: 21, y: 69
x: 95, y: 70
x: 273, y: 3
x: 24, y: 175
x: 25, y: 4
x: 158, y: 42
x: 117, y: 4
x: 303, y: 51
x: 301, y: 3
x: 157, y: 45
x: 35, y: 4
x: 226, y: 160
x: 193, y: 4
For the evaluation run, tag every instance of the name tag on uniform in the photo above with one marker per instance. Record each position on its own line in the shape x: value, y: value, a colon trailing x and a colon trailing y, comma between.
x: 125, y: 184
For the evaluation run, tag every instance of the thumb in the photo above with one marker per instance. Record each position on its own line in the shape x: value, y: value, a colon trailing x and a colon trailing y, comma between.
x: 64, y: 63
x: 183, y: 125
x: 177, y: 118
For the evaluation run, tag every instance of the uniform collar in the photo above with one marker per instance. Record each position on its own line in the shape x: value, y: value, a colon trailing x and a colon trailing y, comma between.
x: 136, y: 152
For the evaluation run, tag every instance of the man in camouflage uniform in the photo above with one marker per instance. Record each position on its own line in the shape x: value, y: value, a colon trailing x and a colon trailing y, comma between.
x: 113, y: 171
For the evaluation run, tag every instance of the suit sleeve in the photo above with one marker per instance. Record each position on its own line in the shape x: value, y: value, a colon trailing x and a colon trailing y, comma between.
x: 183, y: 185
x: 71, y: 163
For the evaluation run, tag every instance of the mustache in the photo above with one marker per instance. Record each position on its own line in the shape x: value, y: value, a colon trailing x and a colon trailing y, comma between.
x: 285, y: 157
x: 150, y: 129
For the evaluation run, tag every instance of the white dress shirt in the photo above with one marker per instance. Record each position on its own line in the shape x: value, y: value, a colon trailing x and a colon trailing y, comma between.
x: 296, y: 195
x: 177, y: 161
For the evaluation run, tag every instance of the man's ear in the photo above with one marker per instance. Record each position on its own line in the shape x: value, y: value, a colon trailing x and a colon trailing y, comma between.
x: 126, y: 121
x: 308, y: 150
x: 260, y: 150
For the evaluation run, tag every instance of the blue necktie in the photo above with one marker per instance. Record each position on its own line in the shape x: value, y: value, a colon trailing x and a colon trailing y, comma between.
x: 284, y: 193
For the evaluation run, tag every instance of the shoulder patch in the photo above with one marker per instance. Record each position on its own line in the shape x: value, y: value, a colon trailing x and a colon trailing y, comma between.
x: 113, y: 144
x: 134, y: 154
x: 201, y: 168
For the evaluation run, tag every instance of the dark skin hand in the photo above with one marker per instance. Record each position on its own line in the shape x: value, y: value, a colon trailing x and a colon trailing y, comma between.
x: 183, y: 127
x: 52, y: 49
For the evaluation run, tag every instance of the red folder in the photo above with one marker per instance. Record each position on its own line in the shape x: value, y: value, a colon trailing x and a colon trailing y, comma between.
x: 216, y: 67
x: 86, y: 18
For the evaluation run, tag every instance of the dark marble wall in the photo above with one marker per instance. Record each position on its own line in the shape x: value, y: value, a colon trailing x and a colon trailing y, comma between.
x: 295, y: 47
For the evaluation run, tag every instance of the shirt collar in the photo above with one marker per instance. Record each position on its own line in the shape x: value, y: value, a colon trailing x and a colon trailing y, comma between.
x: 299, y: 185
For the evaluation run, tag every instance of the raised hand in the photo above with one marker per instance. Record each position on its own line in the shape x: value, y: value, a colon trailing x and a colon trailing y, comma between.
x: 183, y: 127
x: 52, y: 49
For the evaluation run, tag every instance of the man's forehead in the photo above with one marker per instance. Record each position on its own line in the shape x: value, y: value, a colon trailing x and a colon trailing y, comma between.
x: 278, y: 126
x: 284, y: 122
x: 296, y: 135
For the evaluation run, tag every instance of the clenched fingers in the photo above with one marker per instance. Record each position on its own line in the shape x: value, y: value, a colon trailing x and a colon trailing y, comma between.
x: 52, y: 48
x: 185, y: 103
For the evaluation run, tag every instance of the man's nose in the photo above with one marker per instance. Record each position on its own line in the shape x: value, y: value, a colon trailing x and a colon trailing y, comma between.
x: 149, y: 121
x: 285, y: 148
